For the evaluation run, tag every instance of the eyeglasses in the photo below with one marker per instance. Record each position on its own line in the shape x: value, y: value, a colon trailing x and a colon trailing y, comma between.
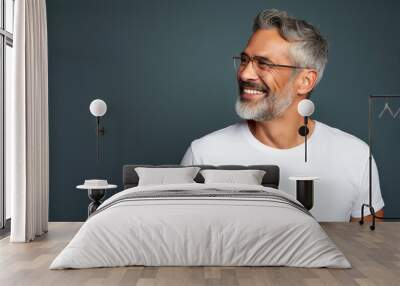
x: 261, y: 66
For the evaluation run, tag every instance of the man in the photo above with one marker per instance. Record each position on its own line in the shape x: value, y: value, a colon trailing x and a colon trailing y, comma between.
x: 282, y: 63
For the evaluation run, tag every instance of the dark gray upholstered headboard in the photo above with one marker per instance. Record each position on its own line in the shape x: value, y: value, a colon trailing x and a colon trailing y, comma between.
x: 271, y: 178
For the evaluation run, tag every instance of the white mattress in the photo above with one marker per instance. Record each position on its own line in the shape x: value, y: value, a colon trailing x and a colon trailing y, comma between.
x: 185, y: 231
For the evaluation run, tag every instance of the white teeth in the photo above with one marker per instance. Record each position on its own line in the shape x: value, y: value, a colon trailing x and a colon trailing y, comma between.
x: 253, y: 91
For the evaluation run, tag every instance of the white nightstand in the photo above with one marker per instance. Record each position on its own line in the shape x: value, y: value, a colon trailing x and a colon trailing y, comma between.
x: 96, y: 191
x: 305, y: 190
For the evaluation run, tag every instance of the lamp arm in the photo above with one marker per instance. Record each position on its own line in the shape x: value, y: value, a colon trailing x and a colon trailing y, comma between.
x: 305, y: 137
x: 99, y: 131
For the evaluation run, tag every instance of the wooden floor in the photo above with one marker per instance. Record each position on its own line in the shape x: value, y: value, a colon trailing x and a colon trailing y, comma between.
x: 375, y: 256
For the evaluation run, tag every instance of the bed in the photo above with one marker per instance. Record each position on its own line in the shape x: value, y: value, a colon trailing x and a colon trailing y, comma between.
x: 201, y: 224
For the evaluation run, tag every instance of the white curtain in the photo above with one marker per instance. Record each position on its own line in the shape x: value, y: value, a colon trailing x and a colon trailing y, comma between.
x: 27, y: 122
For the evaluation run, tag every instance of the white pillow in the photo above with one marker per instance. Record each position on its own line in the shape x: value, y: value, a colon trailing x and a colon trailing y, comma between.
x: 248, y: 177
x: 162, y: 176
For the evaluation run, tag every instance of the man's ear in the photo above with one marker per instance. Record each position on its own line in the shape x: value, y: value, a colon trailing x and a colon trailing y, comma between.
x: 306, y: 81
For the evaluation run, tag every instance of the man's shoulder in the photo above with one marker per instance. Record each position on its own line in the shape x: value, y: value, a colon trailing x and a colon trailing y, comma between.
x: 220, y: 136
x: 343, y: 139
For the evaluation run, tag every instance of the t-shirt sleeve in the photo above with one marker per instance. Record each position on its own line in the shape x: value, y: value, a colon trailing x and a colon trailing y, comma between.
x: 363, y: 196
x: 188, y: 158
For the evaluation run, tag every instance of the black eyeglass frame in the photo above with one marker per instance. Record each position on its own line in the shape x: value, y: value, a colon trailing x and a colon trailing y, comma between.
x: 265, y: 61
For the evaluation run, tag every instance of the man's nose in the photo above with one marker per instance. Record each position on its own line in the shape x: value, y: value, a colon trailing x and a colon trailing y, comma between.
x: 248, y: 73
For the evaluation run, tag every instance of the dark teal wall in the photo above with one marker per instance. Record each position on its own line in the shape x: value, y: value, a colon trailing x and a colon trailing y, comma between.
x: 165, y: 70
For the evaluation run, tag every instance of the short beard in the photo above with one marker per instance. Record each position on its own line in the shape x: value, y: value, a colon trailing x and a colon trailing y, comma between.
x: 270, y: 107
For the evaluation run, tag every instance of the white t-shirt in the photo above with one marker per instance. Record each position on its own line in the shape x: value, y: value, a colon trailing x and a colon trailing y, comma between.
x: 339, y: 159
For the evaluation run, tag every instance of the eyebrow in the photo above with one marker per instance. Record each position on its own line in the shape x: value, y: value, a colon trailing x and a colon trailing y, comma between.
x: 260, y: 57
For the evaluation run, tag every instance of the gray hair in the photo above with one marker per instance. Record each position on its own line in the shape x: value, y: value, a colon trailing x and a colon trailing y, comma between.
x: 308, y: 49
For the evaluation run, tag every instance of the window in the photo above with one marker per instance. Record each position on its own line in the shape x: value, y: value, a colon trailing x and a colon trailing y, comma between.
x: 6, y: 60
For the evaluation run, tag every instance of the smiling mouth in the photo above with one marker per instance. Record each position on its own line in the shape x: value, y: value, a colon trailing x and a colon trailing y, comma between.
x: 253, y: 91
x: 250, y: 93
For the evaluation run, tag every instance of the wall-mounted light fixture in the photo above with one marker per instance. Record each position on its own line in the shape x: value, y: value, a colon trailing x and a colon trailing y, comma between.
x: 306, y: 109
x: 98, y: 108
